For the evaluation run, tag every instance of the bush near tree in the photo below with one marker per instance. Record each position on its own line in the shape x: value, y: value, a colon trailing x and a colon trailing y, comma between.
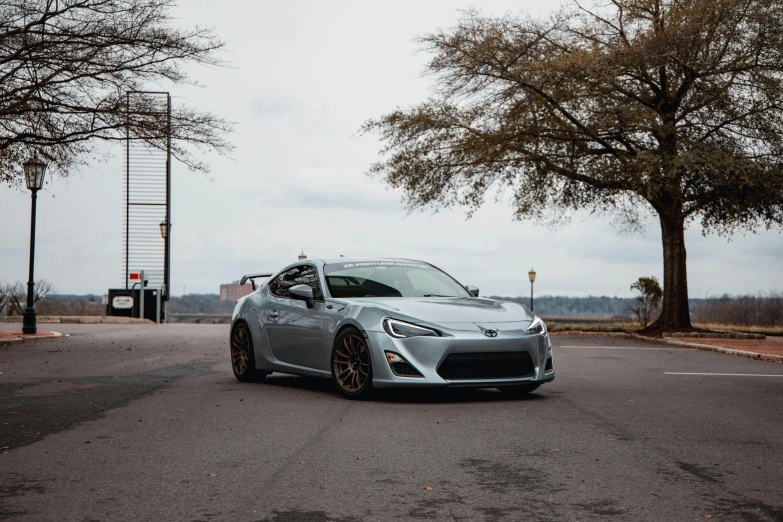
x: 647, y: 298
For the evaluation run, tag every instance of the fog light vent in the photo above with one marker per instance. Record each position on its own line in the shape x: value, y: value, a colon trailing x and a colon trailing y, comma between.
x: 401, y: 367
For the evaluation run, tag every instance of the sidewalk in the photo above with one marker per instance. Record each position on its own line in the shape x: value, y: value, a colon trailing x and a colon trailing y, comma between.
x: 11, y: 336
x: 770, y: 345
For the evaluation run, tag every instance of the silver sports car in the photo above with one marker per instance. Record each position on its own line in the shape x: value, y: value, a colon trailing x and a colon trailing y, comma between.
x: 387, y: 322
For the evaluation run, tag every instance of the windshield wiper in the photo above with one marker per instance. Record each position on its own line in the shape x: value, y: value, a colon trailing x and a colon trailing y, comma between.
x: 436, y: 295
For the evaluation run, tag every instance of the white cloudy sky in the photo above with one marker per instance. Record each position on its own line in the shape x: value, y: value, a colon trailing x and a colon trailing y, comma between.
x: 304, y: 75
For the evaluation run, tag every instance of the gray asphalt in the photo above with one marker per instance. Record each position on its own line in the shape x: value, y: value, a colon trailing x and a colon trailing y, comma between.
x: 142, y: 422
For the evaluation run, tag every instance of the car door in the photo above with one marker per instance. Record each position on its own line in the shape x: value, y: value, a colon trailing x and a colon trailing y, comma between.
x: 294, y: 331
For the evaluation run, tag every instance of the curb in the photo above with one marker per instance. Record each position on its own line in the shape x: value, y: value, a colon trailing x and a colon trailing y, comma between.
x: 717, y: 335
x: 25, y: 339
x: 709, y: 348
x: 79, y: 319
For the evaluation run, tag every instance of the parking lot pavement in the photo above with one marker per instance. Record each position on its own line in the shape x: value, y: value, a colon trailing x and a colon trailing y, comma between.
x: 143, y: 422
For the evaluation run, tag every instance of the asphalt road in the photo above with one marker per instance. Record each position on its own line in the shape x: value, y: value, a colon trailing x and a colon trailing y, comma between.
x: 140, y: 422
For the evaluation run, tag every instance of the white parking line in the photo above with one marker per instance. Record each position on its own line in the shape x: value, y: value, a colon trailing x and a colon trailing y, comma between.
x: 726, y: 374
x: 624, y: 348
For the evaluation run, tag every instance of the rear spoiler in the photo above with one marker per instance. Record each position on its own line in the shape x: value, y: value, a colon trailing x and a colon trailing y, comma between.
x: 252, y: 278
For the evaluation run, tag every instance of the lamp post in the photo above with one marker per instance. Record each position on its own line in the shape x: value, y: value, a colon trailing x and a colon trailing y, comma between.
x: 34, y: 171
x: 532, y: 276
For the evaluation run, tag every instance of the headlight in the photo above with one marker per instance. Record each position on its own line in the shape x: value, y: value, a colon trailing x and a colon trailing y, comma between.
x: 537, y: 327
x: 401, y: 330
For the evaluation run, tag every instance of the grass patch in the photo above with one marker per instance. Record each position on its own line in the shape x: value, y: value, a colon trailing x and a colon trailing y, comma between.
x: 569, y: 326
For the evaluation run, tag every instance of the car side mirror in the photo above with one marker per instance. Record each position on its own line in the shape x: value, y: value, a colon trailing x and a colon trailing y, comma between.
x: 302, y: 293
x: 472, y: 290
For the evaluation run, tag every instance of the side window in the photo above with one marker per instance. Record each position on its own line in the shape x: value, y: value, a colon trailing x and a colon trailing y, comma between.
x: 300, y: 275
x: 277, y: 287
x: 309, y: 276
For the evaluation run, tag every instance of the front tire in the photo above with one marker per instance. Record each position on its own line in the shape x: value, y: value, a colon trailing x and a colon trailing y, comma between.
x: 518, y: 391
x: 351, y: 364
x: 243, y: 361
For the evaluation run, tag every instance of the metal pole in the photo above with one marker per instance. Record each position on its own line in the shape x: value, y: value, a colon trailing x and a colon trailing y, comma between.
x: 531, y: 296
x: 157, y: 306
x: 141, y: 296
x: 167, y: 274
x: 28, y: 321
x: 127, y: 186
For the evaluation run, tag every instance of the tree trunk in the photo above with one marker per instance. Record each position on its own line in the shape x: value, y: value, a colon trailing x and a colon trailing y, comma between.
x: 675, y: 312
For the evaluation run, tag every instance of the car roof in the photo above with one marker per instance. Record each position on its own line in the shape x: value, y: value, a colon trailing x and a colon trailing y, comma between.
x: 368, y: 260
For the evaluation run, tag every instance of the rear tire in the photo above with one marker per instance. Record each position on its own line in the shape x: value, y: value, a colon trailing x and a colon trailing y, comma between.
x: 351, y: 364
x: 520, y: 390
x: 243, y: 361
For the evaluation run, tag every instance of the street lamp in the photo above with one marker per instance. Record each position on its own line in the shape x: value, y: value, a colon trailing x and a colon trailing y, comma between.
x: 34, y: 171
x: 164, y: 229
x: 532, y: 276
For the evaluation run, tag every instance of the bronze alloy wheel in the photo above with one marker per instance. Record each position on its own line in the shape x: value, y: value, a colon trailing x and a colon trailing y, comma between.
x: 351, y: 363
x: 240, y: 350
x: 242, y: 361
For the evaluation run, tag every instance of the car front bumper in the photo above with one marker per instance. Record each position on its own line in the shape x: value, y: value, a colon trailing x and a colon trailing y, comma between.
x: 426, y: 354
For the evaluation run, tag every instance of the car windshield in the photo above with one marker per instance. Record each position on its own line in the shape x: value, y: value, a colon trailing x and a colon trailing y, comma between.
x: 390, y: 279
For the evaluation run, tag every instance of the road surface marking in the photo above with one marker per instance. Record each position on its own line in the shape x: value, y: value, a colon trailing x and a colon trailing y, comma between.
x: 727, y: 374
x: 624, y: 348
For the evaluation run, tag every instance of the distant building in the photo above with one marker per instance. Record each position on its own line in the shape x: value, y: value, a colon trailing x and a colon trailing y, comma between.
x: 234, y: 292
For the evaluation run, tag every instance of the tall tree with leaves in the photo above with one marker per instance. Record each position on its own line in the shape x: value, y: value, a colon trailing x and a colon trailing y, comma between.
x: 67, y: 65
x: 671, y: 107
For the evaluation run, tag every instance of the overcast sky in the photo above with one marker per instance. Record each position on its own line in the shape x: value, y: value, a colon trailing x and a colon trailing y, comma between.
x: 304, y: 76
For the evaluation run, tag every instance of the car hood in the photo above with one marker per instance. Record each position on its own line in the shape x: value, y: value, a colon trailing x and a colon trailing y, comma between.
x: 451, y: 311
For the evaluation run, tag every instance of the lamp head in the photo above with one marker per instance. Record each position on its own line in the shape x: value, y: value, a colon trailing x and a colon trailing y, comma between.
x: 34, y: 171
x: 531, y: 275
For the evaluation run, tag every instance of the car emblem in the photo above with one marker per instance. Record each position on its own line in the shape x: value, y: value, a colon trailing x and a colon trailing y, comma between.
x: 490, y: 333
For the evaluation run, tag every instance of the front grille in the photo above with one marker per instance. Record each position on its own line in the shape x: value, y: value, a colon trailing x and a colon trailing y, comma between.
x: 404, y: 369
x: 486, y: 365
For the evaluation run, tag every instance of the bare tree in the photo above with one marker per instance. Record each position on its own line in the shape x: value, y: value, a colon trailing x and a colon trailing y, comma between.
x: 67, y: 65
x: 7, y: 292
x: 764, y: 309
x: 16, y: 300
x: 669, y: 107
x: 771, y: 312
